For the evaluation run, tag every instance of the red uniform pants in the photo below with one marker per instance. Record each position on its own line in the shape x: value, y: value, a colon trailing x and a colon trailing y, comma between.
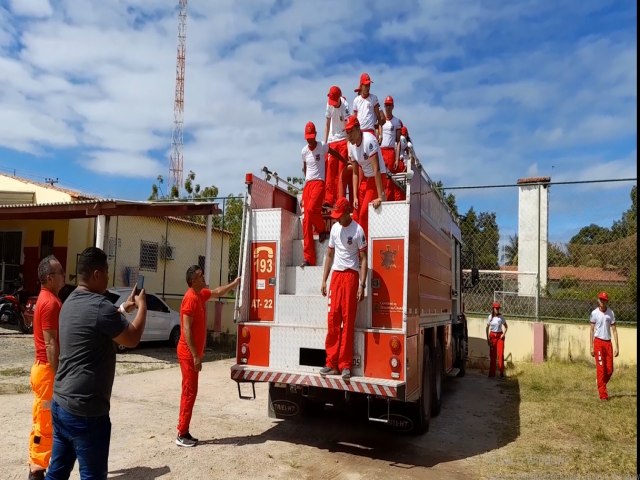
x: 334, y: 171
x: 41, y: 438
x: 496, y: 352
x: 603, y: 352
x: 346, y: 183
x: 391, y: 191
x: 312, y: 197
x: 188, y: 395
x: 343, y: 305
x: 367, y: 192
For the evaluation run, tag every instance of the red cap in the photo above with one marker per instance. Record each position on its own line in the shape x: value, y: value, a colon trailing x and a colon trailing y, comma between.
x: 309, y: 130
x: 334, y: 96
x: 365, y: 79
x: 495, y: 304
x: 342, y: 206
x: 404, y: 131
x: 388, y: 100
x: 603, y: 296
x: 352, y: 121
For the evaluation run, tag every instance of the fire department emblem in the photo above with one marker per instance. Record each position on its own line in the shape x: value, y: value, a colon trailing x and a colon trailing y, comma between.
x: 389, y: 258
x: 349, y: 240
x: 366, y: 155
x: 317, y: 157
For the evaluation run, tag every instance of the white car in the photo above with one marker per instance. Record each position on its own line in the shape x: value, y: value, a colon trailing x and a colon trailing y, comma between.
x: 163, y: 323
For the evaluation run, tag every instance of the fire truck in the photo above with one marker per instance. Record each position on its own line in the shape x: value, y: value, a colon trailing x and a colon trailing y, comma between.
x: 410, y: 330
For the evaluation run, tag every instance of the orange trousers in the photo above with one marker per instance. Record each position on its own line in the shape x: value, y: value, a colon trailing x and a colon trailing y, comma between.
x: 603, y: 351
x: 391, y: 191
x: 312, y: 197
x: 496, y: 353
x: 367, y: 192
x: 343, y: 305
x: 188, y: 394
x: 334, y: 170
x: 41, y: 437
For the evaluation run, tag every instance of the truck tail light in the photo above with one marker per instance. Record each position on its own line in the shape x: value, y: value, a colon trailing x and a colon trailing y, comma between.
x: 243, y: 354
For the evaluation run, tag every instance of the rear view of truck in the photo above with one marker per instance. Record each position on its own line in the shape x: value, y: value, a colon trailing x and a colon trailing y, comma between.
x: 410, y: 330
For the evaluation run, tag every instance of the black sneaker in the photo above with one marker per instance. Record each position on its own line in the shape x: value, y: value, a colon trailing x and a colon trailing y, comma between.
x: 305, y: 264
x: 328, y: 371
x: 183, y: 441
x: 323, y: 236
x: 346, y: 374
x: 37, y: 475
x: 188, y: 435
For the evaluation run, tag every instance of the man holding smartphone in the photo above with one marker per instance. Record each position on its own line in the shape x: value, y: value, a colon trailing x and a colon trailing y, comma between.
x: 193, y: 338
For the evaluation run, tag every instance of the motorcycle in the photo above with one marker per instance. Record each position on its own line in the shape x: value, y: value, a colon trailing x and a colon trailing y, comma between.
x: 12, y: 311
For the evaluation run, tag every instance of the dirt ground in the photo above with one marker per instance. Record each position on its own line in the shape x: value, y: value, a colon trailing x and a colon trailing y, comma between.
x: 239, y: 440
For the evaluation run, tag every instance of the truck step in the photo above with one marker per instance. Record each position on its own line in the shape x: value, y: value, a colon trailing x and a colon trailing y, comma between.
x: 453, y: 372
x: 321, y: 250
x: 303, y: 310
x: 303, y: 281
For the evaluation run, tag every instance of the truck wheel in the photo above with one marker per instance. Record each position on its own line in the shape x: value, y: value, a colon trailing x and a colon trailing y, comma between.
x: 437, y: 365
x: 424, y: 404
x: 462, y: 357
x: 174, y: 337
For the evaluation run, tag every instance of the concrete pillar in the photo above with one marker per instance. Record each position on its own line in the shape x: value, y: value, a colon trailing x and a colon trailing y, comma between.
x: 538, y: 342
x: 533, y: 221
x: 101, y: 231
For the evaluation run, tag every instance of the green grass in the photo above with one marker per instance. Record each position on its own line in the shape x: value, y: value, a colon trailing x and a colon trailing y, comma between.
x: 14, y: 372
x: 565, y: 430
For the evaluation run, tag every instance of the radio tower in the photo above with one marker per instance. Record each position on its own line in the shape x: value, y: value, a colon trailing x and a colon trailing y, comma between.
x: 175, y: 168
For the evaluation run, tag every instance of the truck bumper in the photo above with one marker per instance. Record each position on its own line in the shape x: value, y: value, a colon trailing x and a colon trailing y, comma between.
x: 380, y: 387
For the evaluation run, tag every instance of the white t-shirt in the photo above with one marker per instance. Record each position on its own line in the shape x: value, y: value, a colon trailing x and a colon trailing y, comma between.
x: 364, y: 108
x: 314, y: 160
x: 389, y: 130
x: 338, y: 116
x: 495, y: 323
x: 361, y: 153
x: 602, y: 321
x: 348, y: 242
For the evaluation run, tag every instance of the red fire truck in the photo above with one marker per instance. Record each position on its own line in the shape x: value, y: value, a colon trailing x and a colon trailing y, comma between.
x: 410, y: 329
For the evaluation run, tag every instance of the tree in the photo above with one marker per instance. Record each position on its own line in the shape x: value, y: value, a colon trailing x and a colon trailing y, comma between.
x: 628, y: 224
x: 557, y: 255
x: 193, y: 190
x: 231, y: 221
x: 511, y: 250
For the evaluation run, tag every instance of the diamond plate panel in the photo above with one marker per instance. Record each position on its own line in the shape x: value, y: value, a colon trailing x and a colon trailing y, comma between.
x: 266, y: 225
x: 261, y: 193
x: 302, y: 310
x: 304, y: 281
x: 288, y: 228
x: 391, y: 220
x: 298, y: 251
x: 287, y: 341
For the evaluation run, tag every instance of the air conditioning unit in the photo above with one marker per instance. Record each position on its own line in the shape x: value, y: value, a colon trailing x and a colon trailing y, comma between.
x: 166, y: 252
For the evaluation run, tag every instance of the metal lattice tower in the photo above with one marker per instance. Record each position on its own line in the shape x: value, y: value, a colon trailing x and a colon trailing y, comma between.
x: 175, y: 168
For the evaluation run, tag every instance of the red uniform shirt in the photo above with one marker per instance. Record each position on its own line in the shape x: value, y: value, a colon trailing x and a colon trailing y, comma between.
x: 193, y: 305
x: 46, y: 317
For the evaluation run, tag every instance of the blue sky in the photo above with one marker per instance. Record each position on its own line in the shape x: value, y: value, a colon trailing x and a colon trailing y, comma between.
x: 490, y: 91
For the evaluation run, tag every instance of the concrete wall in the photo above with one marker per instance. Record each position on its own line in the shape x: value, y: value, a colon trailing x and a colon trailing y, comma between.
x: 563, y: 341
x: 42, y: 194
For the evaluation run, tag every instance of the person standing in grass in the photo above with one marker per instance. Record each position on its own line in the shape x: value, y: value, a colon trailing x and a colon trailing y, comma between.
x: 603, y: 324
x: 496, y: 332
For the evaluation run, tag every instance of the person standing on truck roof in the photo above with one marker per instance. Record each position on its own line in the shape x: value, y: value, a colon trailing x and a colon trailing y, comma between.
x: 367, y: 107
x: 390, y: 149
x: 496, y: 332
x: 43, y: 371
x: 90, y: 327
x: 313, y: 166
x: 364, y: 154
x: 346, y: 259
x: 336, y: 114
x: 193, y: 339
x: 603, y: 324
x: 406, y: 149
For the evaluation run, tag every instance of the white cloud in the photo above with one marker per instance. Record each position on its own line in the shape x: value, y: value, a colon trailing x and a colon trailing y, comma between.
x: 31, y: 8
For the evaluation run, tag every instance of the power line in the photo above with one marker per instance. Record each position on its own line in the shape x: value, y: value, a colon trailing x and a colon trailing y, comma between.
x: 540, y: 183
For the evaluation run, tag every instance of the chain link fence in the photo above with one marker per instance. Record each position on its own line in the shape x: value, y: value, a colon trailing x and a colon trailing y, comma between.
x: 579, y: 252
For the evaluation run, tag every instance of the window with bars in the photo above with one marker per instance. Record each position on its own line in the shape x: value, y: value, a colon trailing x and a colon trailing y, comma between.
x: 149, y: 256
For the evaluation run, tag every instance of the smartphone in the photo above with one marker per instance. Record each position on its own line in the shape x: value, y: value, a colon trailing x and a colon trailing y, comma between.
x: 139, y: 284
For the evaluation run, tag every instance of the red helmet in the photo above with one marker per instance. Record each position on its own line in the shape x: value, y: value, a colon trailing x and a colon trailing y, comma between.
x: 603, y: 296
x: 495, y: 305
